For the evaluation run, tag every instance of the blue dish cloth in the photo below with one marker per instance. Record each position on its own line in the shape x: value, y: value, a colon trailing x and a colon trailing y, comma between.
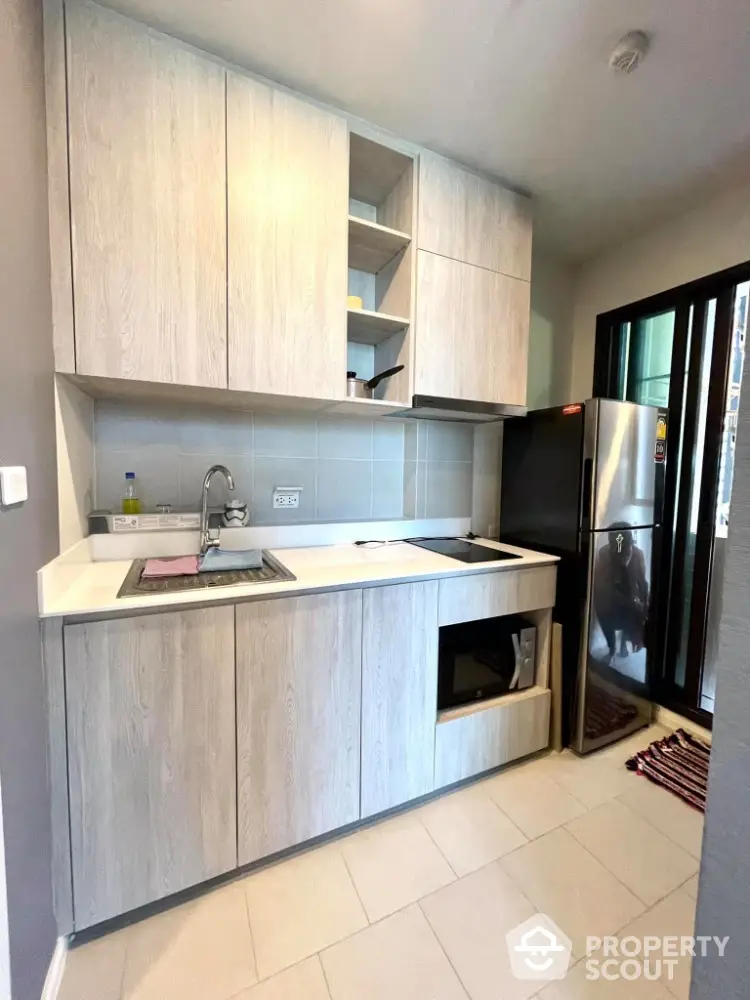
x: 216, y: 560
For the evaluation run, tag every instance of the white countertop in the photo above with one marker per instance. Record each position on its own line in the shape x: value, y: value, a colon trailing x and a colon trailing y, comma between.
x: 90, y: 588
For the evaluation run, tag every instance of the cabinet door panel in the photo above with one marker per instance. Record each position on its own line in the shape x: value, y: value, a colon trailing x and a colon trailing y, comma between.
x: 299, y: 685
x: 468, y: 218
x: 152, y: 757
x: 148, y: 203
x: 477, y: 739
x: 287, y: 197
x: 472, y: 332
x: 399, y: 693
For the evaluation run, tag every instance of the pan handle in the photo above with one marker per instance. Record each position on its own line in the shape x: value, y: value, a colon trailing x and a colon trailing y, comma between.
x: 375, y: 382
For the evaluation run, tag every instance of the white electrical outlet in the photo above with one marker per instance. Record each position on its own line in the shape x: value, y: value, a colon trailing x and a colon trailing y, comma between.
x: 13, y: 485
x: 285, y: 497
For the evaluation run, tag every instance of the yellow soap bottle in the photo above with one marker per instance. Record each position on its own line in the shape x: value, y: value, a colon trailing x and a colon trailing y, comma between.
x: 130, y: 502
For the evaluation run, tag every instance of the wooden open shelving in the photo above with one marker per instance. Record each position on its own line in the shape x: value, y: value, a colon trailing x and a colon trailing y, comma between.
x: 367, y: 327
x: 382, y: 213
x: 372, y: 246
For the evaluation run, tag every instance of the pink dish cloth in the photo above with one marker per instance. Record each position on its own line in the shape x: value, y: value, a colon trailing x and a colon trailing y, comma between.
x: 178, y: 566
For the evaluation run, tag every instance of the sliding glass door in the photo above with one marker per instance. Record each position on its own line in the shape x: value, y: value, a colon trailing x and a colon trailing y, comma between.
x: 685, y: 350
x: 724, y: 492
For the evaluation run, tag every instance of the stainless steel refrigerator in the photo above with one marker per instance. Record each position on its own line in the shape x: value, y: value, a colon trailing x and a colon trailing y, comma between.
x: 586, y: 482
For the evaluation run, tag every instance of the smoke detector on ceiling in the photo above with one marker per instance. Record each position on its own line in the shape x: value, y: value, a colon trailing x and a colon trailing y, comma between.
x: 629, y: 52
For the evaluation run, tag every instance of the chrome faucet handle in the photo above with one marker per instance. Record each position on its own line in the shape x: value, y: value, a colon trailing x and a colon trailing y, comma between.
x: 213, y: 541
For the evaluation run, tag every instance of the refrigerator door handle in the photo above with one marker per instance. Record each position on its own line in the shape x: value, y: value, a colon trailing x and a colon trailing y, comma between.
x: 588, y: 487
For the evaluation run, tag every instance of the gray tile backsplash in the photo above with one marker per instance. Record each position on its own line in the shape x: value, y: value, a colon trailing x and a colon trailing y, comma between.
x: 349, y: 469
x: 447, y: 488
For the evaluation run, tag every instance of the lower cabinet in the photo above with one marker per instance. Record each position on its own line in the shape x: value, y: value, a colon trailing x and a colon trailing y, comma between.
x: 470, y: 740
x: 399, y: 693
x: 152, y: 757
x: 299, y: 685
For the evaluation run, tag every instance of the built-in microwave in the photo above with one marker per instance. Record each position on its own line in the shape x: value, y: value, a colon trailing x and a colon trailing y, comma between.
x: 484, y: 659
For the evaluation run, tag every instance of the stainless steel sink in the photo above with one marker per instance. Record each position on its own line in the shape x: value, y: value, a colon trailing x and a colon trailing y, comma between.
x: 271, y: 572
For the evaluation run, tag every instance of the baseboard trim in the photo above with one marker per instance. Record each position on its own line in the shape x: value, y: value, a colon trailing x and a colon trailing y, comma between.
x: 55, y: 972
x: 671, y: 720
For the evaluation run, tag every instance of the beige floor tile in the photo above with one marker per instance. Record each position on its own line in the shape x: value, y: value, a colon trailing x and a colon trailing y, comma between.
x: 532, y: 800
x: 673, y: 916
x: 200, y: 951
x: 576, y: 986
x: 302, y: 982
x: 567, y: 883
x: 471, y: 918
x: 396, y: 959
x: 94, y: 971
x: 470, y: 829
x: 300, y: 906
x: 620, y: 752
x: 646, y: 861
x: 667, y: 812
x: 591, y: 780
x: 393, y: 864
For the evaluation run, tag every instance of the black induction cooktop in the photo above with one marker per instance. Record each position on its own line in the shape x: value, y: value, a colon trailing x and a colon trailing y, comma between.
x: 457, y: 548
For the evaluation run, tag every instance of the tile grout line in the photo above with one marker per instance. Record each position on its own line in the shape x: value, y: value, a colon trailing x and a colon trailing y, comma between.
x: 618, y: 798
x: 437, y: 847
x: 637, y: 816
x: 319, y: 956
x: 252, y: 936
x: 614, y: 876
x: 359, y: 898
x: 463, y: 985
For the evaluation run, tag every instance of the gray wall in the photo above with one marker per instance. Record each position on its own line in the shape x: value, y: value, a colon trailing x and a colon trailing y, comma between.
x: 724, y: 896
x: 28, y: 534
x: 350, y: 469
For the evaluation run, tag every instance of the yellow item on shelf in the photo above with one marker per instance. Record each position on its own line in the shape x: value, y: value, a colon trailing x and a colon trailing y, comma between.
x: 354, y: 302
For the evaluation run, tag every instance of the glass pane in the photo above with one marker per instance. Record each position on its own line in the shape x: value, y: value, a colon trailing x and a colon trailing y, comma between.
x: 695, y: 490
x: 650, y: 359
x: 726, y: 475
x: 623, y: 361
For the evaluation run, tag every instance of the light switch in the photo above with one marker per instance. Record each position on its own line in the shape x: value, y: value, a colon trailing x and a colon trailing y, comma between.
x: 14, y: 487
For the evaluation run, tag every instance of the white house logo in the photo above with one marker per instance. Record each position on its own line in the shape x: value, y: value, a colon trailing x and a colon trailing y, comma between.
x: 539, y: 950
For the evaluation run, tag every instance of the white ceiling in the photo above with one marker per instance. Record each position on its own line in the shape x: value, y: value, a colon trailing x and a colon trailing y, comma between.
x: 518, y: 88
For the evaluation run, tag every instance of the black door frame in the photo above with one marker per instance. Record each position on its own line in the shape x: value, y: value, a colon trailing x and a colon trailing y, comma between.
x: 685, y: 348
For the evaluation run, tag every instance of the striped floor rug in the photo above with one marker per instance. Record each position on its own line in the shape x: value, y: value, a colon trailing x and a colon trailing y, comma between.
x: 679, y: 763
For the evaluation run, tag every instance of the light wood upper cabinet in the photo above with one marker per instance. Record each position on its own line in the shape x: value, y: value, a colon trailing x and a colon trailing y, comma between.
x: 472, y: 332
x: 148, y: 203
x: 471, y: 219
x: 399, y: 693
x: 152, y: 757
x: 288, y: 236
x: 299, y: 685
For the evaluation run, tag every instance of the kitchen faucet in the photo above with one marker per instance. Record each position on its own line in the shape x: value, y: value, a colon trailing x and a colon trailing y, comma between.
x: 206, y: 541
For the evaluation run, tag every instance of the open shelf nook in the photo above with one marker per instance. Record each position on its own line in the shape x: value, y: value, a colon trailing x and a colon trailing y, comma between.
x: 381, y: 222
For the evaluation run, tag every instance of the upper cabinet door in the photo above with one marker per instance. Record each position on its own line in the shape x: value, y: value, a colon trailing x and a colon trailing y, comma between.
x: 468, y: 218
x: 472, y: 332
x: 287, y: 196
x: 148, y: 203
